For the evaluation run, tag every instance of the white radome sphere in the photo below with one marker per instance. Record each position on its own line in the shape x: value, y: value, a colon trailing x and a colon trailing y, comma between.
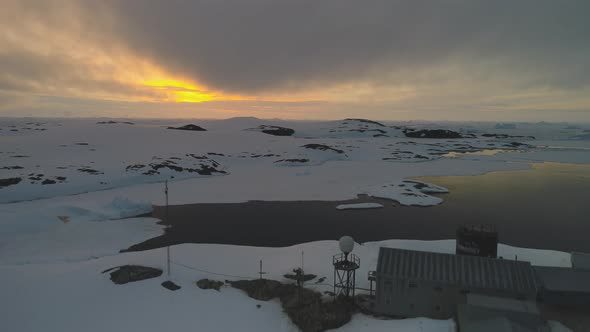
x: 346, y: 244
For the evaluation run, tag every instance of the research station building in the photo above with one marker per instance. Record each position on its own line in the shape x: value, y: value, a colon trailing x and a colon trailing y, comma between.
x: 426, y: 284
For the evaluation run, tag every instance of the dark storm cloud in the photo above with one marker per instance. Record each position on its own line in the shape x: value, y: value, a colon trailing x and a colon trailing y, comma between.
x: 253, y: 45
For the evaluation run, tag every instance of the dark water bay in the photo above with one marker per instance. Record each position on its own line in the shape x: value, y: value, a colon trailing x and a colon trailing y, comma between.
x: 546, y: 207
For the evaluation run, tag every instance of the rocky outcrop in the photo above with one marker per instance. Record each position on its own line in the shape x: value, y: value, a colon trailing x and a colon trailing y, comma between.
x: 190, y: 127
x: 366, y: 121
x: 115, y: 122
x: 432, y: 133
x: 209, y: 284
x: 504, y: 136
x: 292, y: 160
x: 274, y: 130
x: 321, y: 147
x: 170, y: 285
x: 304, y: 307
x: 129, y: 273
x: 9, y: 182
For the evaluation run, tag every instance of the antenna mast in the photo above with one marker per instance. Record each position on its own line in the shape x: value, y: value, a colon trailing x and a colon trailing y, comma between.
x: 168, y: 227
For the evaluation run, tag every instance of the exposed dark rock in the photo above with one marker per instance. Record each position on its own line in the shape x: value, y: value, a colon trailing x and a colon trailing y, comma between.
x: 302, y: 160
x: 20, y: 156
x: 115, y: 122
x: 61, y: 178
x: 366, y: 121
x: 322, y: 147
x: 89, y: 171
x: 81, y: 143
x: 150, y: 172
x: 380, y: 135
x: 190, y: 127
x: 215, y: 154
x: 134, y: 167
x: 516, y: 145
x: 432, y: 133
x: 260, y: 289
x: 275, y: 130
x: 303, y: 306
x: 170, y: 285
x: 197, y: 157
x: 419, y: 156
x: 130, y: 273
x: 504, y: 136
x: 12, y: 167
x: 9, y: 182
x: 209, y: 284
x: 48, y: 181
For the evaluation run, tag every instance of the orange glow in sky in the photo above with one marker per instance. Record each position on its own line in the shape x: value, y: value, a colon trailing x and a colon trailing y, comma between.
x: 178, y: 91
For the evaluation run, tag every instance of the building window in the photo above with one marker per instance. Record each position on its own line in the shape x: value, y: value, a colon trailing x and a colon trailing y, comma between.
x: 412, y: 284
x: 438, y: 288
x: 437, y: 308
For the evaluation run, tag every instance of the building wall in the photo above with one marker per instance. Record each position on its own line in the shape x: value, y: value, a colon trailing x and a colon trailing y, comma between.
x: 409, y: 298
x: 417, y: 298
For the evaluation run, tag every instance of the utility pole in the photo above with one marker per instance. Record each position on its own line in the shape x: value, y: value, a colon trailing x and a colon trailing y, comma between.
x: 261, y: 273
x: 168, y: 227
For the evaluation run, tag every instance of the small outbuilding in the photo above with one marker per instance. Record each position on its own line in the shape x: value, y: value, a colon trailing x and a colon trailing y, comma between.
x: 482, y: 313
x: 580, y: 261
x: 563, y: 286
x: 426, y: 284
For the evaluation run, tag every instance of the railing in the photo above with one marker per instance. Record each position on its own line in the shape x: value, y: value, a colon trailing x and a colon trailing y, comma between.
x: 346, y: 260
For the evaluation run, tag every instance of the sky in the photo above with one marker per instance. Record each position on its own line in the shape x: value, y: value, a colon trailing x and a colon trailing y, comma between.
x: 481, y: 60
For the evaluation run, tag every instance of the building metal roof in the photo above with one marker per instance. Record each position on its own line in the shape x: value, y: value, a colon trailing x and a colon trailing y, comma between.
x: 468, y: 271
x: 580, y: 261
x: 563, y: 279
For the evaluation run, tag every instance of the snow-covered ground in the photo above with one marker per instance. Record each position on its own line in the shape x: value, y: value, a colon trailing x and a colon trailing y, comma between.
x: 65, y: 184
x: 75, y: 296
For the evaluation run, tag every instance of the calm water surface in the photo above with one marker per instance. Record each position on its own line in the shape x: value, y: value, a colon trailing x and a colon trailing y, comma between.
x: 545, y: 207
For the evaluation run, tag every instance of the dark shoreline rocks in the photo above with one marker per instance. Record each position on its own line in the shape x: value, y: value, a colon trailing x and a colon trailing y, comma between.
x: 433, y: 133
x: 321, y: 147
x: 504, y: 136
x: 274, y: 130
x: 209, y: 284
x: 190, y: 127
x: 129, y: 273
x: 9, y: 182
x: 115, y: 122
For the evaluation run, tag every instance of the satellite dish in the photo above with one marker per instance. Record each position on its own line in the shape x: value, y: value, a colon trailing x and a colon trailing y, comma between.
x: 346, y: 244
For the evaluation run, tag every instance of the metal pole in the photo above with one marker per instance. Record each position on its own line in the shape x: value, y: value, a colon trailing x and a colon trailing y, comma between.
x: 167, y: 226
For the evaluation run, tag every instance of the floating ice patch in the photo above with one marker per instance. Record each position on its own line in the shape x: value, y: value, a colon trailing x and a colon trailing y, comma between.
x: 125, y: 208
x: 359, y: 206
x: 118, y: 208
x: 408, y: 192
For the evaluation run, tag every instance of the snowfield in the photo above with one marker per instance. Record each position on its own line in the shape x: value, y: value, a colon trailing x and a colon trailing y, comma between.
x: 73, y: 192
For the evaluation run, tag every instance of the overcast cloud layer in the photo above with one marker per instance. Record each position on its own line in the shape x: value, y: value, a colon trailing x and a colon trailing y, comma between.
x: 403, y: 55
x: 264, y: 44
